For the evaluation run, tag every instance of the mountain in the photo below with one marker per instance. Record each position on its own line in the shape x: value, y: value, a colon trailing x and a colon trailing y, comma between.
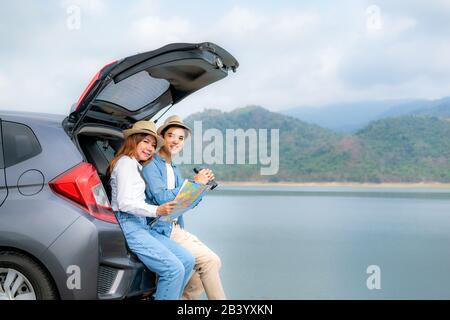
x: 342, y: 117
x: 350, y: 117
x: 411, y: 148
x: 439, y: 107
x: 298, y: 141
x: 407, y: 148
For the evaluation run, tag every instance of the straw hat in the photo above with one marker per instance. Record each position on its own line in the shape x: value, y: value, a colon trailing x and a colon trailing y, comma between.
x: 146, y: 127
x: 174, y: 121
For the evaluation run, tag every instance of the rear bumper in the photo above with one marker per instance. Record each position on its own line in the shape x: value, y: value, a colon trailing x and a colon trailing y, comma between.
x: 121, y: 274
x: 119, y: 282
x: 89, y: 260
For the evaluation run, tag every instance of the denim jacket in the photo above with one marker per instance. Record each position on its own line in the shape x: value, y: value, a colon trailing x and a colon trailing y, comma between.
x: 155, y: 176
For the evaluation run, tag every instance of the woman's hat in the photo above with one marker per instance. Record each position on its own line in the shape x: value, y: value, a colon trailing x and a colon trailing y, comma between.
x: 174, y: 121
x: 145, y: 127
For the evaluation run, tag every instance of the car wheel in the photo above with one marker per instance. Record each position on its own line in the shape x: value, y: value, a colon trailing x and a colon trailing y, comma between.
x: 21, y: 278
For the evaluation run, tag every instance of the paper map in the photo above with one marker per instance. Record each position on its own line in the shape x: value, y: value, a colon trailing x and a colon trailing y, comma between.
x: 186, y: 198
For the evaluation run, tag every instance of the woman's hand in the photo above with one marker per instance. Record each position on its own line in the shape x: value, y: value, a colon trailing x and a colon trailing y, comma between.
x: 166, y: 208
x: 204, y: 176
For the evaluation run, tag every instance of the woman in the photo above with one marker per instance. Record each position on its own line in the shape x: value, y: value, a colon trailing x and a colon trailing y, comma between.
x: 161, y: 255
x: 163, y: 183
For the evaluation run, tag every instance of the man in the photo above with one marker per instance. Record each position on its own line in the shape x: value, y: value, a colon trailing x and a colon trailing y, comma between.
x: 163, y: 181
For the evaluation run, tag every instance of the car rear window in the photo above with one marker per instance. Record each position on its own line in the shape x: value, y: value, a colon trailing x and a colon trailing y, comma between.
x: 19, y: 143
x: 134, y: 92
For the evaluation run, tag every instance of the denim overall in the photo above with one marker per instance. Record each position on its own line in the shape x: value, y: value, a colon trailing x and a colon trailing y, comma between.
x: 170, y: 261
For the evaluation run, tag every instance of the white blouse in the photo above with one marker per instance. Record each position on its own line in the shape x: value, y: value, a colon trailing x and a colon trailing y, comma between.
x: 128, y: 188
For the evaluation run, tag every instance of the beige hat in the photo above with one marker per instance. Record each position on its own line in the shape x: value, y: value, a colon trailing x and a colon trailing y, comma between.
x: 146, y: 127
x: 174, y: 121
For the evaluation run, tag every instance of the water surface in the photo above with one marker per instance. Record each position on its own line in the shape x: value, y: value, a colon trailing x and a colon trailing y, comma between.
x: 317, y: 242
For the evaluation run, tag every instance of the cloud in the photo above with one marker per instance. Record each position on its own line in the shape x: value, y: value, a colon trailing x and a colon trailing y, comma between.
x: 4, y: 89
x: 246, y: 25
x: 393, y: 55
x: 154, y: 32
x: 290, y: 54
x: 241, y: 22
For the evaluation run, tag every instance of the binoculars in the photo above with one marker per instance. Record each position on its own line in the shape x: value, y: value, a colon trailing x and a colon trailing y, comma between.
x: 212, y: 184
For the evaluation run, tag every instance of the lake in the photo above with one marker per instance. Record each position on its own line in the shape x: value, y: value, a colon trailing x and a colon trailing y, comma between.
x: 317, y: 242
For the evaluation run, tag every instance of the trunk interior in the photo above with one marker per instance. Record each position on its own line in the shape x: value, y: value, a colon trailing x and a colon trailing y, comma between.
x: 99, y: 145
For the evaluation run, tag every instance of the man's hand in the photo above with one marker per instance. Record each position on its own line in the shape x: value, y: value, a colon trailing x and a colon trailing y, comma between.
x: 166, y: 208
x: 204, y: 176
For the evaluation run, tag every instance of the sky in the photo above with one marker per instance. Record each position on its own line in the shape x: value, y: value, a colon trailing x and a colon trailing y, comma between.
x: 291, y: 53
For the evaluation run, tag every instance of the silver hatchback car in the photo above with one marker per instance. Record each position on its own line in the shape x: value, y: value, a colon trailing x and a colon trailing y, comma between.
x: 59, y: 238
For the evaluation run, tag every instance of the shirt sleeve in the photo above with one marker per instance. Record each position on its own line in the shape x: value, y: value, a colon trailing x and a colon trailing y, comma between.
x: 156, y: 186
x: 127, y: 199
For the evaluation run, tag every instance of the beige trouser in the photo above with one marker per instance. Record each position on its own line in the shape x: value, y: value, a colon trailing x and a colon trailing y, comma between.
x: 207, y: 266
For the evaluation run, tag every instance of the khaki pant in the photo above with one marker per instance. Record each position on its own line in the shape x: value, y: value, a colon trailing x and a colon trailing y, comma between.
x: 207, y: 266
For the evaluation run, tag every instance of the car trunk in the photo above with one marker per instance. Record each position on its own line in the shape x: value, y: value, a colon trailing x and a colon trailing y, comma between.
x: 140, y: 87
x: 99, y: 144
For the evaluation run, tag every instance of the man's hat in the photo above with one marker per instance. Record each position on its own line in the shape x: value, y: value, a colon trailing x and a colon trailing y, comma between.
x: 174, y: 121
x: 145, y: 127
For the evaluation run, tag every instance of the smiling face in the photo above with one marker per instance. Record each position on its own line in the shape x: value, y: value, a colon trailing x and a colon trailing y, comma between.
x: 145, y: 148
x: 174, y: 140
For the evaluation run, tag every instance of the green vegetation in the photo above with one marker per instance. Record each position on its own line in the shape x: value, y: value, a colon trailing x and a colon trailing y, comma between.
x: 411, y: 148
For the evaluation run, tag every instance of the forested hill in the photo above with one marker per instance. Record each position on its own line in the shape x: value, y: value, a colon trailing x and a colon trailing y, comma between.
x: 411, y: 148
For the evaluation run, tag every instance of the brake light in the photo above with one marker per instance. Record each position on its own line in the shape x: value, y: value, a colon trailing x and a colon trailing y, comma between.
x: 82, y: 185
x: 91, y: 84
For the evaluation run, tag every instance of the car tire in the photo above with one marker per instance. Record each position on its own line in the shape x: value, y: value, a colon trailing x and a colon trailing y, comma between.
x: 36, y: 279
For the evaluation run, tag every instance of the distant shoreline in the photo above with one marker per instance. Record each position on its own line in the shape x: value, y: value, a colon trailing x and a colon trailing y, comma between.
x: 404, y: 185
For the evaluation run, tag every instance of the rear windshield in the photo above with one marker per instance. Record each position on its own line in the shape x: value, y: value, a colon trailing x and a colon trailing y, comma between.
x: 134, y: 92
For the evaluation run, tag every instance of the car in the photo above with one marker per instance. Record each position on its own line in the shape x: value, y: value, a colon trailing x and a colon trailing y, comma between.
x: 59, y: 238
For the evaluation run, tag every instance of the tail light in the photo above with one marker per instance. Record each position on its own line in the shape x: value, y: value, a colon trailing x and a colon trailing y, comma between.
x: 82, y: 185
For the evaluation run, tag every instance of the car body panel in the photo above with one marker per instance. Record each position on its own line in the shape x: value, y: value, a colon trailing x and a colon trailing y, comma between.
x: 55, y: 144
x: 3, y: 188
x: 58, y: 233
x: 74, y: 253
x: 85, y: 246
x: 33, y: 223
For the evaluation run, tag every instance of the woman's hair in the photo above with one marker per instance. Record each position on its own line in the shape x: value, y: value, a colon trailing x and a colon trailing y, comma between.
x: 128, y: 148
